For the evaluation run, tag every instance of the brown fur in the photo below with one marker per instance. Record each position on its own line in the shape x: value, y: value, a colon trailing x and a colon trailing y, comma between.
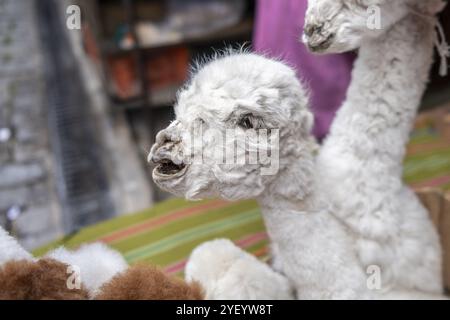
x: 142, y: 282
x: 45, y: 279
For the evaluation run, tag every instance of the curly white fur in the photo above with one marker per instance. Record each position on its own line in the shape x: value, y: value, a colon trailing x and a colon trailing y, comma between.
x: 218, y: 96
x: 363, y: 154
x: 328, y: 218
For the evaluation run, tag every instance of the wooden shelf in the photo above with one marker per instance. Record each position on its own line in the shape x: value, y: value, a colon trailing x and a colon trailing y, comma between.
x: 241, y: 30
x: 158, y: 98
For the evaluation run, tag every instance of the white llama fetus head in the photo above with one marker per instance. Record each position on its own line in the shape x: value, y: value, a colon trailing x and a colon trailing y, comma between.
x: 217, y: 145
x: 334, y: 26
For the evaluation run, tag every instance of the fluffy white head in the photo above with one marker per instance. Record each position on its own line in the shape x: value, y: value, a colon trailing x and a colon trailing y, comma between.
x: 334, y: 26
x: 237, y: 92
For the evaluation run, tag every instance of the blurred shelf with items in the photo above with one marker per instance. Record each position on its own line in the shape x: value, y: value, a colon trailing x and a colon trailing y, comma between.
x: 144, y: 48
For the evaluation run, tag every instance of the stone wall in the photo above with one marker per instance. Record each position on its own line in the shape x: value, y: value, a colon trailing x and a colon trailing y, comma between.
x: 28, y: 171
x: 129, y: 183
x: 26, y: 178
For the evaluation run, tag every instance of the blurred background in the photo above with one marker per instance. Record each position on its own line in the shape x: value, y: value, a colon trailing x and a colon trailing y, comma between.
x: 79, y: 109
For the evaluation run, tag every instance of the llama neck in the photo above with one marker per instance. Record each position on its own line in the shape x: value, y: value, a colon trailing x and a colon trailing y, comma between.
x: 291, y: 199
x: 388, y: 81
x: 360, y: 163
x: 303, y: 231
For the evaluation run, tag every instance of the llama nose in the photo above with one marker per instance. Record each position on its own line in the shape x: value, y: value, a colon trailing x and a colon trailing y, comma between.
x: 167, y: 146
x: 160, y: 152
x: 171, y: 133
x: 159, y: 147
x: 311, y: 29
x: 316, y: 38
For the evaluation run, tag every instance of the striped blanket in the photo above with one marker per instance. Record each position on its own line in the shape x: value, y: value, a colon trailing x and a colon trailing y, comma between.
x: 165, y: 234
x: 428, y: 162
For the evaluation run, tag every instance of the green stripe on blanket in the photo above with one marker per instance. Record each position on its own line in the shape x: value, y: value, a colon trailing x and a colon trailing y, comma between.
x: 165, y: 234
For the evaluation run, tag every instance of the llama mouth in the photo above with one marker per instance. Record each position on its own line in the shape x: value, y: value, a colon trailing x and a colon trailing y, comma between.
x: 167, y: 168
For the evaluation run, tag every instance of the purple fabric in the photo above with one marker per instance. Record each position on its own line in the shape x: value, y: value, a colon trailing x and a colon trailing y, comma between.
x: 279, y: 25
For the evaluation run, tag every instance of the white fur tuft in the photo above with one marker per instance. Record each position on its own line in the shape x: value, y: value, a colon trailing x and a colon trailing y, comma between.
x: 227, y: 272
x: 10, y: 249
x: 97, y: 264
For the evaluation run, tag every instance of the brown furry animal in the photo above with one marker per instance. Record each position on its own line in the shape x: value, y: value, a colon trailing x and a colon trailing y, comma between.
x: 45, y: 279
x: 142, y: 282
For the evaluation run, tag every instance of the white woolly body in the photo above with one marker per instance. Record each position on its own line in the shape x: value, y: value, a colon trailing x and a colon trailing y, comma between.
x: 359, y: 166
x: 329, y: 217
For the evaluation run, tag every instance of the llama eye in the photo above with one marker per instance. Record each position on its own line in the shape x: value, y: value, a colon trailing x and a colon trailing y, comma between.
x: 246, y: 122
